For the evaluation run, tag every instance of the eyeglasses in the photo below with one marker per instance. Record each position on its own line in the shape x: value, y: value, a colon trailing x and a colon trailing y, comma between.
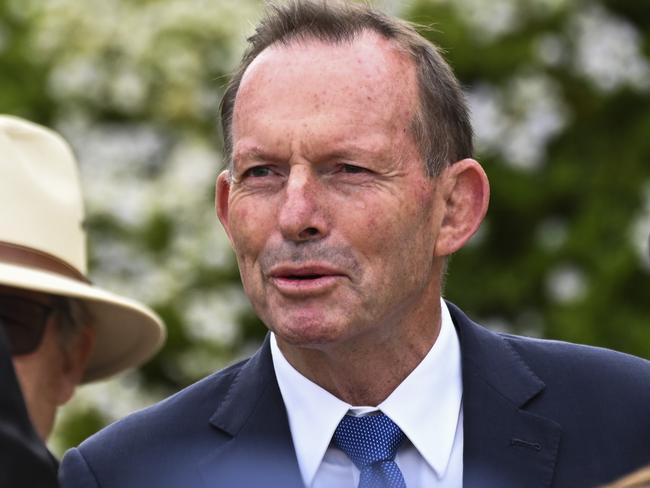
x: 24, y: 321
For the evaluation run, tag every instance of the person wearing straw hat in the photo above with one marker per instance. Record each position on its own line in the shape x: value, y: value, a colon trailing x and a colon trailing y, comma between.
x: 61, y: 329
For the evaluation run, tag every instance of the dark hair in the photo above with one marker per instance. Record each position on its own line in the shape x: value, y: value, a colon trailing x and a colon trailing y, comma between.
x: 441, y: 128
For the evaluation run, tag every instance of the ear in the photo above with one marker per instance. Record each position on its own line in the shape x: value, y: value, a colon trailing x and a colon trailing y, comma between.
x: 75, y: 361
x: 221, y: 199
x: 465, y: 191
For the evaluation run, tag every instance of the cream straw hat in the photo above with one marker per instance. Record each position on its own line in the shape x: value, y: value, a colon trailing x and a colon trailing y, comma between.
x: 43, y: 245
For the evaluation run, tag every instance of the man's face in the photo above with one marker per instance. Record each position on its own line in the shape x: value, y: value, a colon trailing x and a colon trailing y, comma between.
x: 328, y: 207
x: 49, y: 374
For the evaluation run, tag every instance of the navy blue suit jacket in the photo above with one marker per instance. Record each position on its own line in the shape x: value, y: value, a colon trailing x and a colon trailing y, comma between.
x: 537, y: 414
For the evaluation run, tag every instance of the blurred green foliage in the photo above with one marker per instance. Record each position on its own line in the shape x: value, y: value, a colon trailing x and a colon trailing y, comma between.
x: 559, y: 95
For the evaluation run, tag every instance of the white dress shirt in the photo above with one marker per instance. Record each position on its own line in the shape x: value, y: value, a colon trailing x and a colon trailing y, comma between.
x: 427, y: 406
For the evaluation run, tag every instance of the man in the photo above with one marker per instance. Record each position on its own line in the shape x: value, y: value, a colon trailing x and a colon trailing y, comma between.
x: 350, y: 182
x: 61, y: 330
x: 24, y: 460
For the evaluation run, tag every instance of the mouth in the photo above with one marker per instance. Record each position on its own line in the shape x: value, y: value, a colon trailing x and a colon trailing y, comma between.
x: 303, y: 281
x: 303, y: 277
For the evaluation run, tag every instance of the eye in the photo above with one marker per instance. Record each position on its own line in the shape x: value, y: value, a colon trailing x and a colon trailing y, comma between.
x: 258, y: 172
x: 352, y: 169
x: 260, y: 177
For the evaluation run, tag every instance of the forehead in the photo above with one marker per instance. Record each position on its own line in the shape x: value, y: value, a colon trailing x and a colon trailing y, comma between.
x: 367, y: 55
x: 307, y: 78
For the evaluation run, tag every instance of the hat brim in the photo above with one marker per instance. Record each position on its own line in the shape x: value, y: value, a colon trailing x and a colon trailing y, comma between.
x: 127, y: 333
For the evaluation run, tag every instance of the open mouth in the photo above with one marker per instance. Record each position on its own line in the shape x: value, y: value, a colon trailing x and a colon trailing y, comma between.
x: 304, y: 277
x: 309, y: 280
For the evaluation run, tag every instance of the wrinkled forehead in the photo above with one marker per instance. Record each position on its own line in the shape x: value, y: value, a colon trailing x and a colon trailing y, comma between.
x: 367, y: 67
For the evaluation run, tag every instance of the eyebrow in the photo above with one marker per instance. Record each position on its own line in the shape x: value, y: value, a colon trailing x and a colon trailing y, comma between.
x: 342, y: 150
x: 255, y: 153
x: 352, y: 151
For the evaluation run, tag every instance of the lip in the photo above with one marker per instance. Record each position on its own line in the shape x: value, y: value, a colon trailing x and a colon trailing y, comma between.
x: 305, y: 280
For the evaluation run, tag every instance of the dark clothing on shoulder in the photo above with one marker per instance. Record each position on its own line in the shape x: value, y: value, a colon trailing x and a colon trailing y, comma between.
x: 24, y: 460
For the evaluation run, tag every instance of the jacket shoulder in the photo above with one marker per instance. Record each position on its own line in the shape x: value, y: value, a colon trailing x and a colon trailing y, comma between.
x: 170, y: 435
x: 197, y: 400
x: 588, y: 365
x: 492, y: 355
x: 590, y: 386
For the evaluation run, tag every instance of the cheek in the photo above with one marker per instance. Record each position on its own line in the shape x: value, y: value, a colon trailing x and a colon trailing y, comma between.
x: 27, y: 370
x: 399, y: 233
x: 38, y: 375
x: 250, y: 235
x: 381, y: 222
x: 249, y: 231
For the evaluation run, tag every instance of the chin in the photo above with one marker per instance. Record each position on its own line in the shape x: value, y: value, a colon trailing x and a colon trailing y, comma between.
x: 308, y: 332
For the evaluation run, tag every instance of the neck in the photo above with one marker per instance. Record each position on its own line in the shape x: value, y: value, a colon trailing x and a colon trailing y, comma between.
x: 365, y: 370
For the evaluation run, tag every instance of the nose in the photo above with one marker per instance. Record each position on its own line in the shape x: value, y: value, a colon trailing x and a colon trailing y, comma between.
x: 303, y: 214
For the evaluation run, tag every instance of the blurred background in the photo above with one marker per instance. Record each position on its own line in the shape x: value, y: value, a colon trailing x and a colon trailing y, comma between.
x: 559, y: 92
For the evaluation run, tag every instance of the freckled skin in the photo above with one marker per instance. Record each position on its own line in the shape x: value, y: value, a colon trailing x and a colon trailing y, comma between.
x: 305, y: 114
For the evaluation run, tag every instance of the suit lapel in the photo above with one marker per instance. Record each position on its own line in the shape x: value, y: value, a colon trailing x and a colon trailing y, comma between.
x: 258, y: 450
x: 504, y: 444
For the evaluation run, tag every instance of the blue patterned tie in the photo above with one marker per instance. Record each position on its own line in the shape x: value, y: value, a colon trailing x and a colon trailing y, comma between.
x: 371, y: 443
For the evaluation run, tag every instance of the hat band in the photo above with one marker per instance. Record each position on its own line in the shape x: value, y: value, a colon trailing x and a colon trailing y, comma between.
x: 31, y: 258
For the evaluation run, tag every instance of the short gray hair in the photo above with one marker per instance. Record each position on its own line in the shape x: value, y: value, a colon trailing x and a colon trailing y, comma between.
x: 441, y: 128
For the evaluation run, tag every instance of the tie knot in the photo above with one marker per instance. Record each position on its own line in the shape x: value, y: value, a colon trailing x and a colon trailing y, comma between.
x: 369, y: 439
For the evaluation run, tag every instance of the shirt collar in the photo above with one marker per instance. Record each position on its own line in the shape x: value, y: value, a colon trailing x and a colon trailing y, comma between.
x: 429, y: 421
